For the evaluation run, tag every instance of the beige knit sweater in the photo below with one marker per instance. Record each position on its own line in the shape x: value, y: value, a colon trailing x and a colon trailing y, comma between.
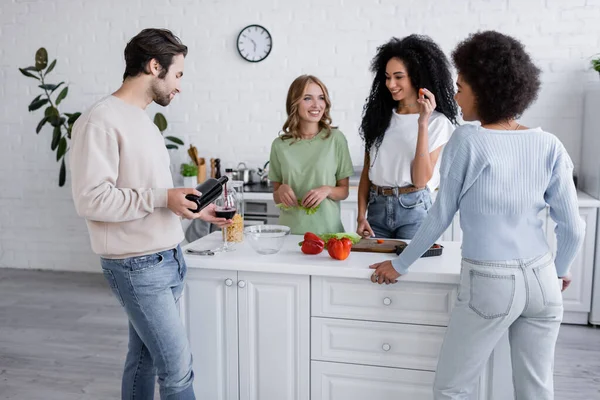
x: 120, y: 176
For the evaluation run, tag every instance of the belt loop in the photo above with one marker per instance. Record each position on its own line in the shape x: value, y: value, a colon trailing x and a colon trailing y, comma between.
x: 395, y: 191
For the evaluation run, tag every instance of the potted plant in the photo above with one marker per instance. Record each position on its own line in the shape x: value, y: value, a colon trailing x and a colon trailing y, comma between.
x: 61, y: 122
x: 596, y: 64
x: 190, y: 174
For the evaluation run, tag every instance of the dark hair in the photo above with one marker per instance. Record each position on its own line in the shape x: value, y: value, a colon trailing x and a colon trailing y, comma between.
x: 501, y: 74
x: 150, y: 43
x: 427, y: 67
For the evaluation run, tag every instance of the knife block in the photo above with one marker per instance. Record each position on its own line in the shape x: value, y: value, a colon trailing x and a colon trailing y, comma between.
x: 201, y: 170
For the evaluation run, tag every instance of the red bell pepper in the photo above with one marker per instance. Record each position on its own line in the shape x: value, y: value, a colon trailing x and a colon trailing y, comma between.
x: 312, y: 244
x: 339, y: 248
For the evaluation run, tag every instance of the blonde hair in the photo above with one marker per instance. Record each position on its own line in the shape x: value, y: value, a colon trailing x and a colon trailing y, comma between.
x: 291, y: 127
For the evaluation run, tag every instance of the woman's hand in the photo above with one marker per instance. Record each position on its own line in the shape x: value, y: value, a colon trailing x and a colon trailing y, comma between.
x: 314, y: 197
x: 208, y: 214
x: 364, y: 228
x: 566, y: 281
x: 427, y: 104
x: 287, y: 196
x: 384, y: 273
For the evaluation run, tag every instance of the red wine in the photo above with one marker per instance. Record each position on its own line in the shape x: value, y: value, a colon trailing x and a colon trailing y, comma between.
x: 226, y: 213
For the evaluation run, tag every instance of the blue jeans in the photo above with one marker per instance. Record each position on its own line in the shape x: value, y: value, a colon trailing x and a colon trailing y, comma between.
x: 149, y: 288
x: 521, y: 297
x: 398, y: 217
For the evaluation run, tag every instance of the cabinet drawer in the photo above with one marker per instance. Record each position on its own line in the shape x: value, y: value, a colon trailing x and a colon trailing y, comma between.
x: 376, y: 343
x: 408, y: 302
x: 332, y: 381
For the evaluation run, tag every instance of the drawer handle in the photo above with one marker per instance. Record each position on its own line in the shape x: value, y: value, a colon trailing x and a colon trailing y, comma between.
x: 387, y: 301
x: 242, y: 284
x: 386, y: 347
x: 228, y: 282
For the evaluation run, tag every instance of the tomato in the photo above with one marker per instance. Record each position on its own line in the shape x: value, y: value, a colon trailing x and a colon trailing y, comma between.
x: 313, y: 237
x: 339, y: 248
x: 312, y: 247
x: 380, y: 241
x: 312, y: 244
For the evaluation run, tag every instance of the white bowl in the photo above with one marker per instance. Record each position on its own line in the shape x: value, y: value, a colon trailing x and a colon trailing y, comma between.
x: 266, y: 239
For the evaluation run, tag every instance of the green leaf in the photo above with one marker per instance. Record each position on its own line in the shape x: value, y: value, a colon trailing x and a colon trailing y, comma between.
x: 41, y: 59
x: 62, y: 148
x: 50, y: 86
x: 41, y: 124
x: 73, y: 117
x: 28, y: 74
x: 50, y: 68
x: 55, y: 138
x: 172, y: 146
x: 37, y: 104
x: 30, y: 69
x: 160, y: 121
x: 36, y: 99
x: 175, y: 140
x: 62, y: 95
x: 51, y: 111
x: 62, y: 175
x: 69, y: 129
x: 56, y: 121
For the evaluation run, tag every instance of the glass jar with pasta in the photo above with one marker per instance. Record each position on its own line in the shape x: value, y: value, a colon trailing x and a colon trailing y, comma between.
x: 230, y: 205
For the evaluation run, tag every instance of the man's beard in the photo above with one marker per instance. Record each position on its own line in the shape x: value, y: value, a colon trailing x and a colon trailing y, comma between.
x: 159, y: 97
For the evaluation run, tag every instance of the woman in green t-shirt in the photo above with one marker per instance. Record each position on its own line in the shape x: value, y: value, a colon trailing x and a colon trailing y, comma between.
x: 310, y: 162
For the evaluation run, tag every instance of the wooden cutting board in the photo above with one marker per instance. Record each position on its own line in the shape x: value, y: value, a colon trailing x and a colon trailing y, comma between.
x: 371, y: 245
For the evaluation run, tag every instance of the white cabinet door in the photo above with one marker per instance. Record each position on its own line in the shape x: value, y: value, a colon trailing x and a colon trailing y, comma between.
x: 349, y: 214
x: 578, y: 297
x: 333, y: 381
x: 210, y: 315
x: 274, y: 336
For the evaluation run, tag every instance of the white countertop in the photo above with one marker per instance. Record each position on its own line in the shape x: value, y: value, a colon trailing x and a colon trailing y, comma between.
x: 290, y: 260
x: 585, y: 200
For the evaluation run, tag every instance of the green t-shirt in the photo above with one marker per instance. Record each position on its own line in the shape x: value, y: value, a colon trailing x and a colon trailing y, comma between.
x: 308, y: 164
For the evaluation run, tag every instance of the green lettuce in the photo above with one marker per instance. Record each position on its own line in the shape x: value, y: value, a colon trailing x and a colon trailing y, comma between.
x: 308, y: 211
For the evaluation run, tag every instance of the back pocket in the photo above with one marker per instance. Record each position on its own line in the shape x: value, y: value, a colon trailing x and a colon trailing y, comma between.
x: 549, y: 284
x: 491, y: 295
x: 112, y: 282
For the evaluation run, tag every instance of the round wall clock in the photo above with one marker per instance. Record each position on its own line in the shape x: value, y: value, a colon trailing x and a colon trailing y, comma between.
x: 254, y: 43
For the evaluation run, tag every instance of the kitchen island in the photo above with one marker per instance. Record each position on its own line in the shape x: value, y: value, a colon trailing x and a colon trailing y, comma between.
x: 291, y: 326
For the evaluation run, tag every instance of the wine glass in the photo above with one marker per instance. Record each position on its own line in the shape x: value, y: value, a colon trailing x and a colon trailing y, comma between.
x: 227, y: 206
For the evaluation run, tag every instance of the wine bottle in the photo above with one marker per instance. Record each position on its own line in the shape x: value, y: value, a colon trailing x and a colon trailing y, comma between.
x: 210, y: 189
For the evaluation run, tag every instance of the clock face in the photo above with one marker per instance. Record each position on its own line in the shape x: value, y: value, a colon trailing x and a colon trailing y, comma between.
x: 254, y: 43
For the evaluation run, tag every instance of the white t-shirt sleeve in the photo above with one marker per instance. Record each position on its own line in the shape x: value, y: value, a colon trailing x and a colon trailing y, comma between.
x: 440, y: 130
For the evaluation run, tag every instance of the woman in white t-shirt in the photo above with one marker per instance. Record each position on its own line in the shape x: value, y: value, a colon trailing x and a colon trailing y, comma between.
x: 409, y: 116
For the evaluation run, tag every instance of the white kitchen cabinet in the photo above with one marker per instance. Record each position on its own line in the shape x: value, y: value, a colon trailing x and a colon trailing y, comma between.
x: 578, y: 297
x: 349, y: 214
x: 249, y: 334
x: 333, y: 381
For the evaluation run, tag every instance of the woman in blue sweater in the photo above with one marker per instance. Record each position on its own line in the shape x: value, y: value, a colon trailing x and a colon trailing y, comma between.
x: 500, y: 175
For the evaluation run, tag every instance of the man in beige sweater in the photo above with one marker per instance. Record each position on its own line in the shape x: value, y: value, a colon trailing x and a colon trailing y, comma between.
x: 123, y: 187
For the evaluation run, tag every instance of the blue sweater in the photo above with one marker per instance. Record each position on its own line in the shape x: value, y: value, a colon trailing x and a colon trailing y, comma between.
x: 500, y: 181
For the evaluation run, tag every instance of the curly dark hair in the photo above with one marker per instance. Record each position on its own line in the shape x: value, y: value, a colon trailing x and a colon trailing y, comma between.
x: 427, y: 67
x: 501, y: 74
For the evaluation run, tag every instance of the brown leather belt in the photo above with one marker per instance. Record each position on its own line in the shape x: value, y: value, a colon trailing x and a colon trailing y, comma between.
x: 394, y: 191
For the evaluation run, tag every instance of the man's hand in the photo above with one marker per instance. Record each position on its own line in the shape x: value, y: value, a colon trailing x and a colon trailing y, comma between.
x: 208, y: 214
x: 384, y: 273
x: 181, y: 206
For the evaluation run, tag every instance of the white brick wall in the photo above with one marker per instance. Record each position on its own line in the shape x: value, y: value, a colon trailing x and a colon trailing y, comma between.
x: 233, y: 109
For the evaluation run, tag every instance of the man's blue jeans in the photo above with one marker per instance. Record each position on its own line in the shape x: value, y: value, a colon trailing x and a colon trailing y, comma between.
x: 149, y: 287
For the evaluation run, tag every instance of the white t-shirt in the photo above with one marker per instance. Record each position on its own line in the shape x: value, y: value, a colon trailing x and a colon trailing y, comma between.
x: 391, y: 163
